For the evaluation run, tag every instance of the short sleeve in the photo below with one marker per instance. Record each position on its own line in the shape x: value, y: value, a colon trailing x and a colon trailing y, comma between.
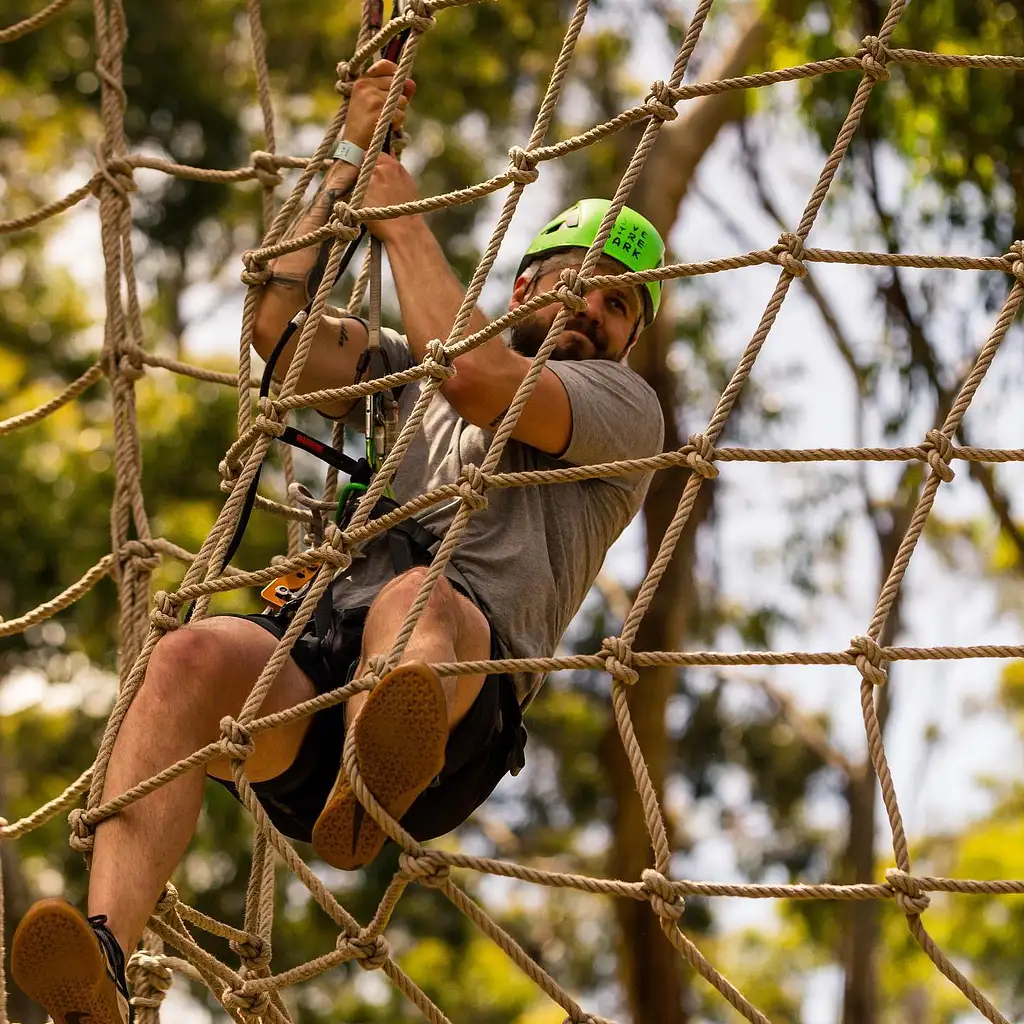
x: 615, y: 412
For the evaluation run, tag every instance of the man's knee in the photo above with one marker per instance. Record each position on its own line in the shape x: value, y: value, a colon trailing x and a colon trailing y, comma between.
x: 402, y: 591
x: 186, y: 661
x: 446, y: 603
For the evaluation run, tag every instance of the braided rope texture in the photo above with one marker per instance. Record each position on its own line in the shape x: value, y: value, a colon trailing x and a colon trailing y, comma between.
x: 252, y: 992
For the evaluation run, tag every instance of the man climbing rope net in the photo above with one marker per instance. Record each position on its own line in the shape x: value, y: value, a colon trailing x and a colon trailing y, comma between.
x: 430, y: 750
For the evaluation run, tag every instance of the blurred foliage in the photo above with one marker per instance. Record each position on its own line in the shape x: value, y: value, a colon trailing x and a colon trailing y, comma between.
x: 191, y: 97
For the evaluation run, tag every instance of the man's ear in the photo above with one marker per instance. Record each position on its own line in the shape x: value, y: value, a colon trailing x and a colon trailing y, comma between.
x: 520, y: 290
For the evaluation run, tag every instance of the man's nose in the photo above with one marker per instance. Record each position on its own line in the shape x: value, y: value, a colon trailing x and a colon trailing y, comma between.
x: 595, y: 306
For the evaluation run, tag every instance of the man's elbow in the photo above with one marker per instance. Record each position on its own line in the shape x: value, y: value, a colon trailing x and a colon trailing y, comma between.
x: 270, y: 320
x: 465, y: 391
x: 264, y: 333
x: 458, y: 388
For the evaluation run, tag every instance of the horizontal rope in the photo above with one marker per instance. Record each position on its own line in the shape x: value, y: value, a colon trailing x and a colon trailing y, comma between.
x: 253, y: 991
x: 69, y: 394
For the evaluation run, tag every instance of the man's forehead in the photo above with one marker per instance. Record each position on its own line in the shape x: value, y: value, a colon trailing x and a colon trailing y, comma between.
x: 605, y: 266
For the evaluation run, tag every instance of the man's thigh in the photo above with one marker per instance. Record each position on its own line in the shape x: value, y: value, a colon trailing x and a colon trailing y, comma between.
x: 243, y: 648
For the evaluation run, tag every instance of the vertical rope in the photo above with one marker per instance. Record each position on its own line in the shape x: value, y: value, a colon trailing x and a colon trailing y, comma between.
x: 254, y: 992
x: 3, y: 957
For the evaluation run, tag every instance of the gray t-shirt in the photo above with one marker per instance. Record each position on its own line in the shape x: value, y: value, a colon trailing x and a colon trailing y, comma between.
x: 531, y: 556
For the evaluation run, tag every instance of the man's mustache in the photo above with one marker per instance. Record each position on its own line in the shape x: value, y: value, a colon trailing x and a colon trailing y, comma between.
x: 588, y: 329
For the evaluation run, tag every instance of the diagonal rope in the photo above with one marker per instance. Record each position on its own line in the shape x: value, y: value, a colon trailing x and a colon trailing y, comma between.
x: 253, y: 990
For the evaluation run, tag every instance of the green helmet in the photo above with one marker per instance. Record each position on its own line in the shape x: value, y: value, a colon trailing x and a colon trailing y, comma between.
x: 634, y: 242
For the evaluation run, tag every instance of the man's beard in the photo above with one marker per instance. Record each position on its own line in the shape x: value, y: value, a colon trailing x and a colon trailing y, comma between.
x: 528, y: 336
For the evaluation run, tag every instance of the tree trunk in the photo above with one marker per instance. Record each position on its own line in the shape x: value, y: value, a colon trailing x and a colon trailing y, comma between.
x: 860, y: 995
x: 654, y: 981
x: 651, y: 968
x: 860, y: 936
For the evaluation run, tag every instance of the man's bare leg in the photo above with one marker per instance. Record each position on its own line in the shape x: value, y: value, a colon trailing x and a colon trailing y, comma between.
x: 401, y: 728
x: 451, y: 628
x: 196, y: 676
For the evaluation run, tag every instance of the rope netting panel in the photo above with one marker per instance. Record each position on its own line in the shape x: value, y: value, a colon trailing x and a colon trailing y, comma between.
x: 251, y: 991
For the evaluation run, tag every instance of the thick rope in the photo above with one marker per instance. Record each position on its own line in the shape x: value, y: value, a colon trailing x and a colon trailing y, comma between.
x: 253, y: 990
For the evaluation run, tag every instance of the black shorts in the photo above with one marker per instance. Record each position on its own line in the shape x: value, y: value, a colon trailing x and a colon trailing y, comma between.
x: 486, y: 744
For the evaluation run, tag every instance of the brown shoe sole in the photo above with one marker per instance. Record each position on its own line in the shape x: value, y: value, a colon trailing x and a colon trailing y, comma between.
x: 400, y: 738
x: 57, y: 961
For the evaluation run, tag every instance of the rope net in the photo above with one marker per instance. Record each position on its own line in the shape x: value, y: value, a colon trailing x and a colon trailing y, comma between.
x: 251, y: 991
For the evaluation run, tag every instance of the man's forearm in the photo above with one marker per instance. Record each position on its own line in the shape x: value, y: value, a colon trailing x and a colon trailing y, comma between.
x: 300, y: 271
x: 429, y: 293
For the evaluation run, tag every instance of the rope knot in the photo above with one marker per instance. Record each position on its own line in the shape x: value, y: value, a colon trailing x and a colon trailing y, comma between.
x: 426, y: 869
x: 869, y: 661
x: 335, y: 548
x: 419, y: 15
x: 665, y: 900
x: 700, y: 452
x: 150, y: 979
x: 165, y: 612
x: 230, y: 469
x: 256, y: 273
x: 344, y: 223
x: 167, y: 902
x: 473, y: 488
x: 235, y: 739
x: 376, y: 667
x: 522, y: 167
x: 618, y: 660
x: 250, y: 1006
x: 346, y: 78
x: 130, y: 367
x: 910, y: 897
x: 372, y: 952
x: 438, y: 361
x: 268, y: 422
x: 570, y: 290
x: 660, y: 100
x: 117, y: 172
x: 874, y: 55
x: 1015, y: 259
x: 81, y: 838
x: 939, y: 451
x: 139, y: 556
x: 789, y: 250
x: 264, y: 166
x: 253, y: 951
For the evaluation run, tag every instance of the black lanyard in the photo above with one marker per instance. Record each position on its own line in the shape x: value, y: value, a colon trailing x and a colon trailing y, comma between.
x: 359, y: 470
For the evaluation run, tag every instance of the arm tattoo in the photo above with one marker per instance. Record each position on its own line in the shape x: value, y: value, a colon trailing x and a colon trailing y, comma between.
x: 493, y: 425
x: 342, y: 335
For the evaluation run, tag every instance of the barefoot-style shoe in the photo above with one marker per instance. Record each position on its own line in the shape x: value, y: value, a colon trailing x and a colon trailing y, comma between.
x: 400, y: 736
x: 70, y: 964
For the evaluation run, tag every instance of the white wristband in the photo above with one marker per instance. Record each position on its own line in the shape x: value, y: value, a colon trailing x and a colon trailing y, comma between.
x: 349, y: 152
